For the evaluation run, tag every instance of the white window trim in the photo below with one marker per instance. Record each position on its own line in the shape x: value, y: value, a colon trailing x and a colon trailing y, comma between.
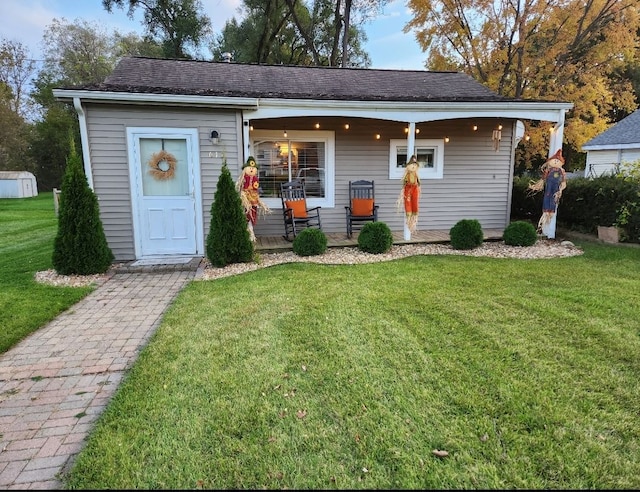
x: 329, y: 138
x: 425, y: 173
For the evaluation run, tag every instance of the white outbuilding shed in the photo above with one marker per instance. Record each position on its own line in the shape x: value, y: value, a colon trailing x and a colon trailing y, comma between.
x: 17, y: 184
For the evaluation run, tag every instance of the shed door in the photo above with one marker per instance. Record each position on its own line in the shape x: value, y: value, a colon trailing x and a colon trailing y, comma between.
x: 164, y: 194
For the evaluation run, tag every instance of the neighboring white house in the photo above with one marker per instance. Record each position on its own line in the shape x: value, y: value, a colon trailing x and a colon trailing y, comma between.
x: 608, y: 152
x: 17, y: 184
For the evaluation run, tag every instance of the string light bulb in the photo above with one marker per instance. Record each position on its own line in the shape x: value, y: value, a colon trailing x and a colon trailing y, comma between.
x: 377, y: 136
x: 475, y: 128
x: 446, y: 139
x: 346, y: 126
x: 317, y: 125
x: 285, y: 134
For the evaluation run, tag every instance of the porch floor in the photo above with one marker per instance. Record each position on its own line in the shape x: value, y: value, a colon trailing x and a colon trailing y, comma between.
x: 339, y: 239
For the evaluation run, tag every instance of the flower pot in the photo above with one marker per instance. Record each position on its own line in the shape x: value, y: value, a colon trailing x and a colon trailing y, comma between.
x: 608, y: 234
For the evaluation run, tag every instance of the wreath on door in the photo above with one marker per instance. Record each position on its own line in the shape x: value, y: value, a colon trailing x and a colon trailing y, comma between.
x: 163, y: 165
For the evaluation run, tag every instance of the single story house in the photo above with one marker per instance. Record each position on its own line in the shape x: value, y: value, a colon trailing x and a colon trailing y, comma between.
x: 17, y: 184
x: 349, y: 124
x: 608, y: 152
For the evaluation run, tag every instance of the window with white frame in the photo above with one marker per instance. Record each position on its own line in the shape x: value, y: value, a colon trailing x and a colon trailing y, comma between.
x: 430, y: 154
x: 304, y: 155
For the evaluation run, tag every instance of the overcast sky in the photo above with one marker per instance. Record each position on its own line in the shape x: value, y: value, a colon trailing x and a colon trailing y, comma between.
x: 26, y: 20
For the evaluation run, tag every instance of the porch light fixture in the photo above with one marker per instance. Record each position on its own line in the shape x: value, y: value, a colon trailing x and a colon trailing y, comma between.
x: 285, y: 134
x: 214, y: 137
x: 475, y: 128
x: 446, y: 139
x: 377, y: 136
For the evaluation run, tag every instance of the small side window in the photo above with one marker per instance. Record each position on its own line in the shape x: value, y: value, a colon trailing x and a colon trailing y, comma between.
x: 430, y: 155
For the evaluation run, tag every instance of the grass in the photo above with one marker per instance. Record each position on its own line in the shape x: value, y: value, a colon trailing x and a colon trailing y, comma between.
x: 27, y: 229
x: 348, y: 377
x: 306, y: 376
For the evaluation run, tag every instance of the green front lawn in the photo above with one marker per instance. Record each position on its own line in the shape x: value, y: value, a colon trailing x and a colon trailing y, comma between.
x: 27, y: 229
x: 306, y: 376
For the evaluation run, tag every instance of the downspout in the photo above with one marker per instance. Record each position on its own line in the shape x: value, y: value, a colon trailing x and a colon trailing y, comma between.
x: 84, y: 139
x: 555, y: 143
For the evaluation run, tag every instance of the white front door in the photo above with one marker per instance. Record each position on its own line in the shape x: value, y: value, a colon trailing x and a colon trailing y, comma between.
x: 165, y: 189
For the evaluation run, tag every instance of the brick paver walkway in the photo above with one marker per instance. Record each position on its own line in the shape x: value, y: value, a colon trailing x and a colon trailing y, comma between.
x: 56, y: 382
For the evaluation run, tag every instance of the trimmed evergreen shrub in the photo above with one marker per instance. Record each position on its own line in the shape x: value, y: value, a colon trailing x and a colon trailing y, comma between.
x: 310, y: 242
x: 228, y: 240
x: 80, y: 246
x: 466, y: 234
x: 520, y: 233
x: 375, y: 237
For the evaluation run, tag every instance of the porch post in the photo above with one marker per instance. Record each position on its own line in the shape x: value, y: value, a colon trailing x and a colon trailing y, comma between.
x: 411, y: 145
x: 555, y: 143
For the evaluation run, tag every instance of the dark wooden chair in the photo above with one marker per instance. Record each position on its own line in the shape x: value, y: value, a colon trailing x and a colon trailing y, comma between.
x: 362, y: 205
x: 296, y: 214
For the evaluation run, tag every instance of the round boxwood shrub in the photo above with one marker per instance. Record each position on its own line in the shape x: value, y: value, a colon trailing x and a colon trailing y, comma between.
x: 466, y: 234
x: 520, y: 233
x: 375, y: 237
x: 310, y: 242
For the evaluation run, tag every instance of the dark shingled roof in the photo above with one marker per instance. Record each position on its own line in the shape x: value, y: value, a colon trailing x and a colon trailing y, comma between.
x: 188, y: 77
x: 625, y: 131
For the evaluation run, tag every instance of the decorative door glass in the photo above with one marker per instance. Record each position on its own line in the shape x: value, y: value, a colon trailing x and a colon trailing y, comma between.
x: 165, y: 171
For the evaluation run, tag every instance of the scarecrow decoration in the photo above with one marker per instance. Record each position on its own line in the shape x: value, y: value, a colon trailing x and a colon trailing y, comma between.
x: 553, y: 181
x: 248, y: 186
x: 410, y: 194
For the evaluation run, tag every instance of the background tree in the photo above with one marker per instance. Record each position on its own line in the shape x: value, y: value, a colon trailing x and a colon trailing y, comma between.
x: 228, y: 240
x: 176, y: 25
x: 14, y: 133
x: 80, y: 246
x: 563, y: 50
x: 75, y: 54
x: 16, y: 70
x: 292, y: 32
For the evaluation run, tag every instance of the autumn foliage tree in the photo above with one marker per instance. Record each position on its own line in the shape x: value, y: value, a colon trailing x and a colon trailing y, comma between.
x: 562, y: 50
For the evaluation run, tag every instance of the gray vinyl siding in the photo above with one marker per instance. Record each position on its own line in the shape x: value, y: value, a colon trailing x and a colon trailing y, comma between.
x: 107, y: 126
x: 476, y: 183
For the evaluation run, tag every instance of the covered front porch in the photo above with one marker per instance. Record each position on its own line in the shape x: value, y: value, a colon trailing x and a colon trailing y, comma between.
x: 340, y: 239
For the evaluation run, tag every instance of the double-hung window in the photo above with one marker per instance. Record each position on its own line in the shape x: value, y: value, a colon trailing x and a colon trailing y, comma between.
x: 308, y: 156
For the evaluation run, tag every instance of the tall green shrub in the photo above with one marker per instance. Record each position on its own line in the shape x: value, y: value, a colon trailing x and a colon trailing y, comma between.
x: 228, y: 240
x: 80, y: 246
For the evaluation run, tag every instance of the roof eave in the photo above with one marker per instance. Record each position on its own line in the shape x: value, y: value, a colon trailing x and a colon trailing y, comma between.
x: 612, y: 146
x: 279, y: 107
x: 156, y: 99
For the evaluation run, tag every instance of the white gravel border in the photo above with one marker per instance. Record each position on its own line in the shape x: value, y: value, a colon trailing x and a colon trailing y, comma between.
x: 544, y: 248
